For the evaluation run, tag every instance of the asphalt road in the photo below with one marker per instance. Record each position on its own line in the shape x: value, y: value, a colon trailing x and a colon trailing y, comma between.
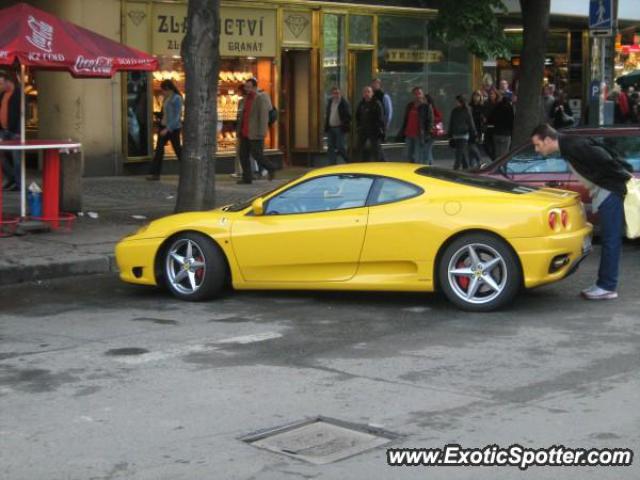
x: 194, y: 378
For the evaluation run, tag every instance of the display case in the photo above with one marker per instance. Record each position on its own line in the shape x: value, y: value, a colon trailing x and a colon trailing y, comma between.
x: 234, y: 72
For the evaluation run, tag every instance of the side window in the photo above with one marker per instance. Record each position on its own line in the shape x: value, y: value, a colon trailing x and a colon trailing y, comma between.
x: 627, y: 147
x: 388, y: 190
x: 335, y: 192
x: 528, y: 161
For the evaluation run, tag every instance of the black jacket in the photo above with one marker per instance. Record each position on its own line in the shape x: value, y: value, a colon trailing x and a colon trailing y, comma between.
x: 14, y: 111
x: 556, y: 115
x: 370, y: 119
x: 501, y: 117
x: 461, y: 122
x: 596, y: 163
x: 425, y: 121
x: 344, y: 112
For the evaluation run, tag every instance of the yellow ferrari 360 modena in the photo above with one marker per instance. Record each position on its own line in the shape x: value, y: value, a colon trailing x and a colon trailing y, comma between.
x: 375, y: 226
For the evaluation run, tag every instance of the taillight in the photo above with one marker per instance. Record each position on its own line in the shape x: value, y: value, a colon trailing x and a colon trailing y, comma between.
x: 553, y: 220
x: 564, y: 218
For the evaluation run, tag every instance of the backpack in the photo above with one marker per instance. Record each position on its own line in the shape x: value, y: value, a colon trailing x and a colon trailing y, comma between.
x: 273, y: 116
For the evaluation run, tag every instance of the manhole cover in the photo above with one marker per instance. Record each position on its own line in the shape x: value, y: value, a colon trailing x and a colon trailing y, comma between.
x: 320, y: 440
x: 117, y: 352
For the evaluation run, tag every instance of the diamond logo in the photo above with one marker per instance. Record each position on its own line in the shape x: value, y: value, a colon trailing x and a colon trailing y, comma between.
x: 297, y: 24
x: 137, y: 16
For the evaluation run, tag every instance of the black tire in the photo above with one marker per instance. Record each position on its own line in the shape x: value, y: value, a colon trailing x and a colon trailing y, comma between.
x: 209, y: 280
x: 496, y: 266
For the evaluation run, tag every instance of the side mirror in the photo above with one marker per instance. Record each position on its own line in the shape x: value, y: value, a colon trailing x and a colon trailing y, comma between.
x: 258, y: 207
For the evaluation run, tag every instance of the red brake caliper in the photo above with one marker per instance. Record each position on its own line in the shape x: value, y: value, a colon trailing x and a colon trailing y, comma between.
x: 200, y: 271
x: 462, y: 281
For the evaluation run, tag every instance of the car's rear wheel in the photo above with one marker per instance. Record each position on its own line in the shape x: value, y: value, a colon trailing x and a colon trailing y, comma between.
x: 479, y: 272
x: 194, y: 268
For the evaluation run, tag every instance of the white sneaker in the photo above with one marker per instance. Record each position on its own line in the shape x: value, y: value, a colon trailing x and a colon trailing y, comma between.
x: 597, y: 293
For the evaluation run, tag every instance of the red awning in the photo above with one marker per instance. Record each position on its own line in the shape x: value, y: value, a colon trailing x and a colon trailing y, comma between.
x: 38, y: 39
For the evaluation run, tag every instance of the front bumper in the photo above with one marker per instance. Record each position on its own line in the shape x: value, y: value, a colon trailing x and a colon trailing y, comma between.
x: 136, y: 260
x: 537, y: 254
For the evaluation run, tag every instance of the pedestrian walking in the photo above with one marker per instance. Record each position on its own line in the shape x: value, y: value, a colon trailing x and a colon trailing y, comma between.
x: 561, y: 114
x: 10, y: 130
x: 253, y: 130
x: 370, y: 126
x: 416, y: 127
x: 170, y: 127
x: 605, y: 176
x: 501, y: 117
x: 477, y: 108
x: 387, y: 107
x: 461, y: 128
x: 337, y: 124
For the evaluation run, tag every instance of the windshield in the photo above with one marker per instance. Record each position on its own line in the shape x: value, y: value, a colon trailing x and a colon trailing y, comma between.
x: 488, y: 183
x: 237, y: 207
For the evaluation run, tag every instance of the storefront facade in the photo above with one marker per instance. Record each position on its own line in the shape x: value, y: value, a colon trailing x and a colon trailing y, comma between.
x: 297, y: 51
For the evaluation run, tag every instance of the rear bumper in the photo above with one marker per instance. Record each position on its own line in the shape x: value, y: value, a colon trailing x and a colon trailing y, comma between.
x: 537, y: 254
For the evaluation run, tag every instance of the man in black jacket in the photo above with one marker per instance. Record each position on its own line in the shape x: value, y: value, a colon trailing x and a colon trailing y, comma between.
x: 10, y: 129
x: 605, y: 176
x: 337, y: 124
x: 370, y: 125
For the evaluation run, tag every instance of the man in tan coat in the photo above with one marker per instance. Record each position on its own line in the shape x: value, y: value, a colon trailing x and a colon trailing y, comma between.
x: 254, y: 124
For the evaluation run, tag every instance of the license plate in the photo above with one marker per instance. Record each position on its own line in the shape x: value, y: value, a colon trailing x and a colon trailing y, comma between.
x: 586, y: 244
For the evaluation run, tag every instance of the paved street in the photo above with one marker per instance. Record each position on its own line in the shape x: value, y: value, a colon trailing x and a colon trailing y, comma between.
x: 551, y: 370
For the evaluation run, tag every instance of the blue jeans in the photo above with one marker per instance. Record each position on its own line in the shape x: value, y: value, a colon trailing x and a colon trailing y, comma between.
x: 336, y: 145
x: 11, y: 162
x: 611, y: 214
x: 415, y: 150
x: 428, y: 151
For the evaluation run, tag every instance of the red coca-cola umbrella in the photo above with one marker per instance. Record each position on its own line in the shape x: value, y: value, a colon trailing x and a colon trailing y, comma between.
x: 34, y: 38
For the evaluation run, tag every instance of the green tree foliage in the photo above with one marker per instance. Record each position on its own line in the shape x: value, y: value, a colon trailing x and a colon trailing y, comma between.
x: 475, y: 24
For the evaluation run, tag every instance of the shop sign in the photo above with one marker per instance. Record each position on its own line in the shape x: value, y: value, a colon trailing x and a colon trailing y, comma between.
x: 243, y: 32
x: 97, y: 65
x: 297, y: 28
x: 169, y: 25
x: 247, y: 32
x: 405, y: 55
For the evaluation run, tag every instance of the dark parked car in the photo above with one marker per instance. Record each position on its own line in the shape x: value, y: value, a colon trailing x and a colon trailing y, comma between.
x: 524, y: 165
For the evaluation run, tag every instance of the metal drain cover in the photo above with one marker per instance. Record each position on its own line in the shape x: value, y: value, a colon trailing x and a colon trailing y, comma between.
x: 320, y: 440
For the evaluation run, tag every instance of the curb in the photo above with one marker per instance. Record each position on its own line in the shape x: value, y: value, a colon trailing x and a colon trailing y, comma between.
x: 43, y: 269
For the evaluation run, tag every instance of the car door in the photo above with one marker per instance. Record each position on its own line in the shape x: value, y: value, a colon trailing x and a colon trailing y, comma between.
x: 311, y: 232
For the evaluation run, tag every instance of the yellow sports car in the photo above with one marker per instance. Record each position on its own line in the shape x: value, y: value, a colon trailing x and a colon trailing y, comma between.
x: 375, y: 226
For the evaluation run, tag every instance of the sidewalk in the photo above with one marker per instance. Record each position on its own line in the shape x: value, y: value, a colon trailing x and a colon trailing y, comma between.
x: 113, y: 207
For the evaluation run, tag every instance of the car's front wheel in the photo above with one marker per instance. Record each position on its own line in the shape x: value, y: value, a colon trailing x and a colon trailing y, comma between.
x: 194, y: 268
x: 479, y: 272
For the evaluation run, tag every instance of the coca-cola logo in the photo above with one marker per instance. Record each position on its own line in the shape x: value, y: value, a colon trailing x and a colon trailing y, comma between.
x: 100, y: 65
x: 41, y: 34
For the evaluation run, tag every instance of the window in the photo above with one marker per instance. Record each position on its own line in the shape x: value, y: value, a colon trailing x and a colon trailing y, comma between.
x: 388, y: 190
x: 627, y: 147
x: 361, y: 29
x: 528, y: 161
x: 409, y: 55
x: 334, y: 65
x: 471, y: 180
x: 334, y: 192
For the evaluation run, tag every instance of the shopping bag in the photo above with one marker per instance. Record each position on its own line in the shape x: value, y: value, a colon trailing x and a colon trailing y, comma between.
x: 632, y: 208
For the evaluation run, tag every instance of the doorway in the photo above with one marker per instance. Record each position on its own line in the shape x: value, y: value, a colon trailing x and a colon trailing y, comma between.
x: 295, y: 104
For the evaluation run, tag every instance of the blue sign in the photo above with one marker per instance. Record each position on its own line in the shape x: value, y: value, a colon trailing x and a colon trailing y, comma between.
x: 600, y: 15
